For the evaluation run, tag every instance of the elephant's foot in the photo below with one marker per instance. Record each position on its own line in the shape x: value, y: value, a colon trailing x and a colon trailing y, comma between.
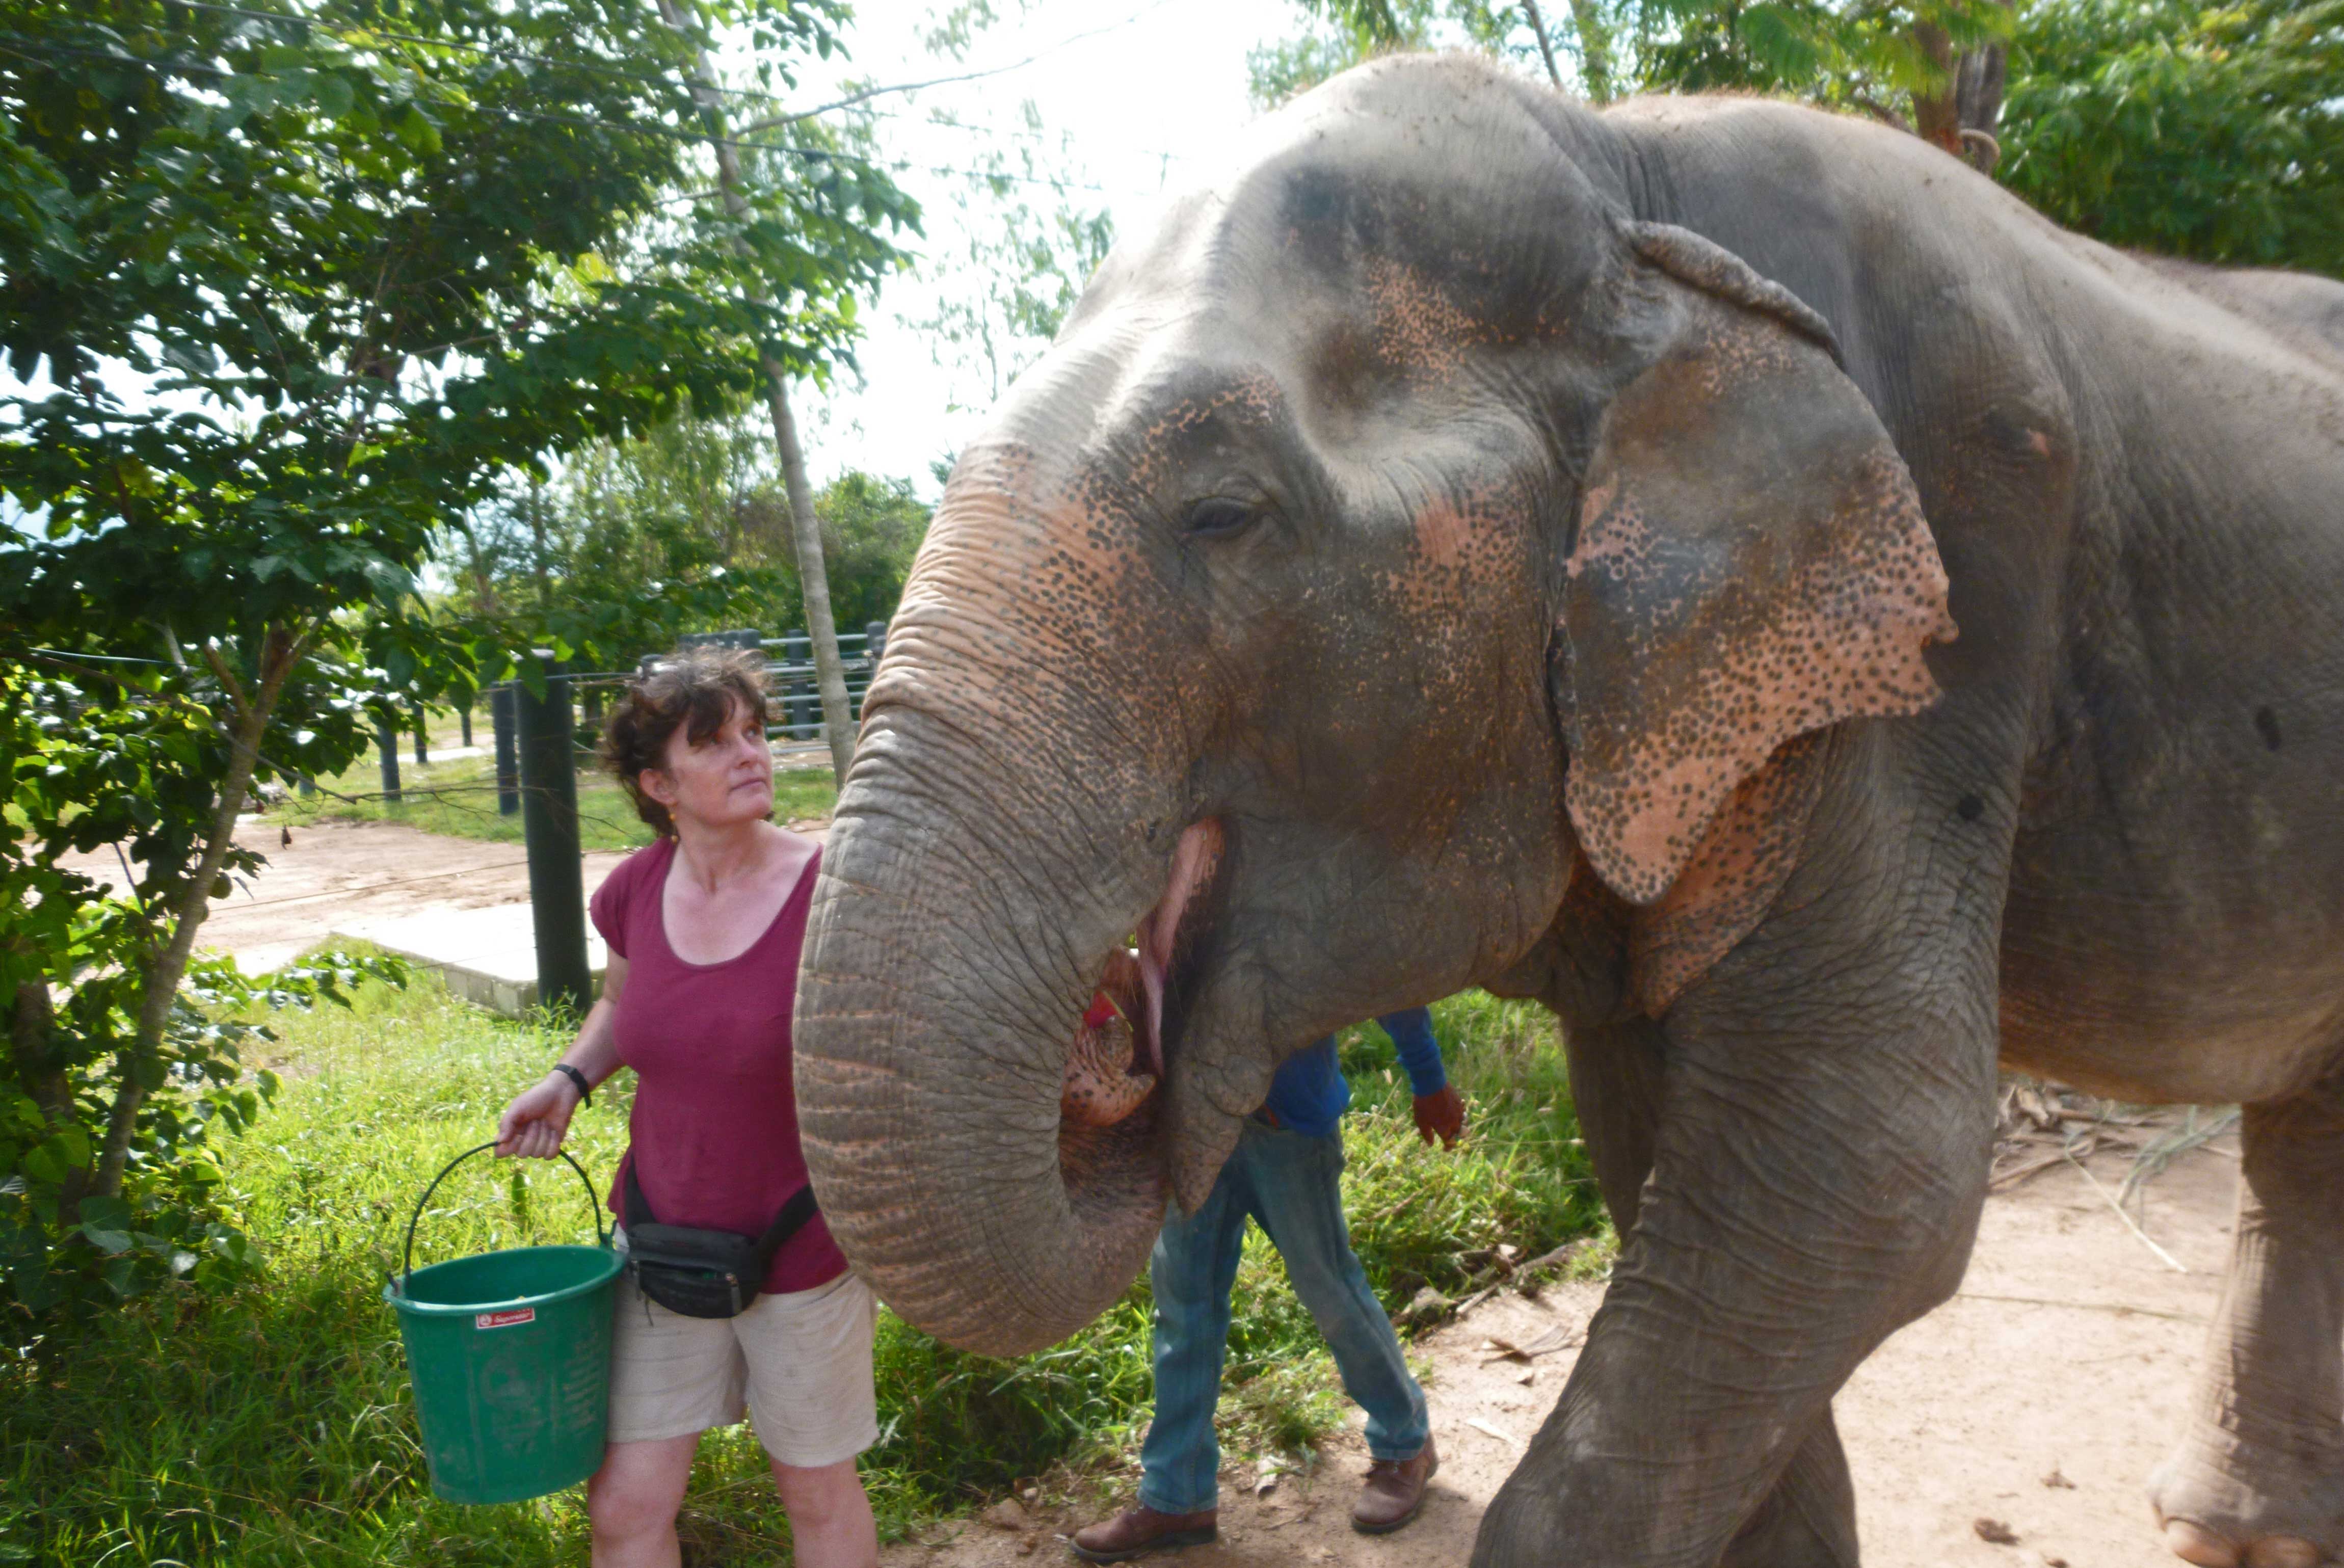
x: 2234, y: 1508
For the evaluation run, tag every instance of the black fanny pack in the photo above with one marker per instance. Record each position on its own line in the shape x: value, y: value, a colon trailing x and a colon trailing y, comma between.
x: 704, y: 1273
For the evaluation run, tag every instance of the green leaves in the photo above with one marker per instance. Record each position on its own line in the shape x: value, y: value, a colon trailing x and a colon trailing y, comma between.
x: 57, y: 1155
x: 63, y: 1243
x: 286, y: 287
x: 2202, y: 131
x: 376, y: 326
x: 105, y: 1224
x: 2214, y: 132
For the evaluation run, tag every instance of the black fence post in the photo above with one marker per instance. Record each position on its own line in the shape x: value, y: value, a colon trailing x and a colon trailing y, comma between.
x: 386, y: 740
x: 501, y: 725
x: 548, y: 816
x: 422, y: 757
x: 875, y: 642
x: 805, y: 722
x: 464, y: 719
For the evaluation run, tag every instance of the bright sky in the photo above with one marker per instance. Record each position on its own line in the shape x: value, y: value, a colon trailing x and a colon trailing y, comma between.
x: 1154, y: 99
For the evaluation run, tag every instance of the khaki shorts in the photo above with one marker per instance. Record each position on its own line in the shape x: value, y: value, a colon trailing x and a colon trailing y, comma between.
x: 798, y: 1364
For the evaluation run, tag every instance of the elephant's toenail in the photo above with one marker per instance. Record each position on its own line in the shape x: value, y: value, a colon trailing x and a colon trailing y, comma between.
x: 2195, y: 1544
x: 2282, y: 1552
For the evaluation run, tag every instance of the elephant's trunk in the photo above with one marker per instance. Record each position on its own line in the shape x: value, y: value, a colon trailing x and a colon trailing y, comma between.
x: 977, y: 1054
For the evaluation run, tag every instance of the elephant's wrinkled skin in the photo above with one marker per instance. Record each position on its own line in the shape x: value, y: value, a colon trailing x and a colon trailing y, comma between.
x: 1482, y: 541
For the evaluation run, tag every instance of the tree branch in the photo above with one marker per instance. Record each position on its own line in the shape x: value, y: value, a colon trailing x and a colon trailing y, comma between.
x: 281, y: 651
x: 229, y: 683
x: 1546, y: 49
x: 1881, y: 112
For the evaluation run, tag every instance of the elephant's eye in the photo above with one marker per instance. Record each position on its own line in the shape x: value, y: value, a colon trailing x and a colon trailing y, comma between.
x: 1216, y: 516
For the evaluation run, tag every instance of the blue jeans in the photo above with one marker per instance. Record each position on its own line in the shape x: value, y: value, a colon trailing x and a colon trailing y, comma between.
x: 1292, y: 1183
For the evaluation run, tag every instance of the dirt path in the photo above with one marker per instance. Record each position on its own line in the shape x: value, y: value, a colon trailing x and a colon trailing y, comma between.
x: 2068, y: 1354
x: 335, y: 872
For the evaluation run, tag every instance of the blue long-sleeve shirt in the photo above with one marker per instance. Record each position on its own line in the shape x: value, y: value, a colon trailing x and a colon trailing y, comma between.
x: 1309, y: 1094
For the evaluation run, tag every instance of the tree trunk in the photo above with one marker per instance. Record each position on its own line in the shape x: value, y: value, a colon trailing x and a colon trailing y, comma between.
x: 139, y: 1063
x: 1962, y: 110
x: 805, y: 531
x: 537, y: 544
x: 1978, y: 100
x: 1934, y: 116
x: 32, y: 1017
x: 814, y: 579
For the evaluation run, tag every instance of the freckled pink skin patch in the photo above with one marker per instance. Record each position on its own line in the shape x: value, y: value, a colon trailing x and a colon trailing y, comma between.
x: 1724, y: 892
x: 1752, y: 565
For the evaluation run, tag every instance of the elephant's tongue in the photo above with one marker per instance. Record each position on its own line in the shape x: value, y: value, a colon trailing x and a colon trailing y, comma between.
x: 1193, y: 860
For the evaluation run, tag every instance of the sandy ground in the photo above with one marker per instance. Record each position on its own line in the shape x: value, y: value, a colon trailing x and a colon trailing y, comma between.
x: 2039, y: 1398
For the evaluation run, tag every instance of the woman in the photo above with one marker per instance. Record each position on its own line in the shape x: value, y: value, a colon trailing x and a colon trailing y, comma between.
x: 704, y: 927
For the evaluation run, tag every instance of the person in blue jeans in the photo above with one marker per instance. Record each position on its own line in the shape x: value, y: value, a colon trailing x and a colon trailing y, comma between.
x: 1286, y: 1175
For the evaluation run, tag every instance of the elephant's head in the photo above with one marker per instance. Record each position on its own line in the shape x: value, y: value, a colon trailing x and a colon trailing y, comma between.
x: 1399, y: 523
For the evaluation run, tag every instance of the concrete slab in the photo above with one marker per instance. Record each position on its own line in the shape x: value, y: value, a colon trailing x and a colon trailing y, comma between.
x: 486, y: 956
x: 455, y: 905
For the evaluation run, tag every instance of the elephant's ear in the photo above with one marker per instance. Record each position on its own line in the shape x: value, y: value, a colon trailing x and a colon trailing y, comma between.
x: 1751, y: 564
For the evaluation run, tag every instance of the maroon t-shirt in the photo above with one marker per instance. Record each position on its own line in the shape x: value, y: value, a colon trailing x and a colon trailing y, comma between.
x: 714, y: 1138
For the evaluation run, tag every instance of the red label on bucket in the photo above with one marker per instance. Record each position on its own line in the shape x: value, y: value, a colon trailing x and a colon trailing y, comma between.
x: 504, y: 1320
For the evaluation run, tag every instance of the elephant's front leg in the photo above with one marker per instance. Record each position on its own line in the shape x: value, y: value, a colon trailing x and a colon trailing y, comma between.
x: 1817, y: 1171
x: 1618, y: 1079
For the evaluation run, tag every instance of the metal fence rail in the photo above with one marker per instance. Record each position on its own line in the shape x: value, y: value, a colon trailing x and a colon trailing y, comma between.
x: 796, y: 711
x: 534, y: 738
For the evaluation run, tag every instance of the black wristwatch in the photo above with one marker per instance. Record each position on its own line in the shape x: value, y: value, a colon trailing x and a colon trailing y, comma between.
x: 585, y: 1089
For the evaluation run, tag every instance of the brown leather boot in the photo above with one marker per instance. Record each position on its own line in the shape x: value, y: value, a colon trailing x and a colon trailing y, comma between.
x: 1394, y: 1491
x: 1142, y: 1530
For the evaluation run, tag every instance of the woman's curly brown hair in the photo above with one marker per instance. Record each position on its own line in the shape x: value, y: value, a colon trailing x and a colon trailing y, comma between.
x: 692, y: 689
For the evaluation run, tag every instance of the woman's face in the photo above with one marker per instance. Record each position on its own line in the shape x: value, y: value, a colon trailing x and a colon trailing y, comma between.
x: 722, y: 781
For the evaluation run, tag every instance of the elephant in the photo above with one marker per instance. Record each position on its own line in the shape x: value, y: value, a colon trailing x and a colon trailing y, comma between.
x: 1728, y: 571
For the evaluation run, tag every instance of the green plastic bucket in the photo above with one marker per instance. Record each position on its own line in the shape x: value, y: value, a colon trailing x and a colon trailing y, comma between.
x: 511, y: 1356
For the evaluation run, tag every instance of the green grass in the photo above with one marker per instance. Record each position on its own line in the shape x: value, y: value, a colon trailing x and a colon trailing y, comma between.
x: 271, y: 1426
x: 459, y: 797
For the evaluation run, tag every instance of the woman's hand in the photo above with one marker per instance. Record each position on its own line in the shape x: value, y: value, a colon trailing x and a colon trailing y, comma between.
x: 534, y: 1126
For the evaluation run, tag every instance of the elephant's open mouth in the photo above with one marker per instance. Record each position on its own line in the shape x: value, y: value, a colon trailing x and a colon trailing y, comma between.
x: 1118, y: 1055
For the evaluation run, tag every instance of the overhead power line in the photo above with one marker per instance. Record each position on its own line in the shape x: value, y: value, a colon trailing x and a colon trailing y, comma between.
x: 878, y: 161
x: 853, y: 98
x: 356, y: 31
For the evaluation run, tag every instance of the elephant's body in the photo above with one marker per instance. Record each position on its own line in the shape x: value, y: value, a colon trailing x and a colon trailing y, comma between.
x: 2135, y: 473
x: 1482, y: 541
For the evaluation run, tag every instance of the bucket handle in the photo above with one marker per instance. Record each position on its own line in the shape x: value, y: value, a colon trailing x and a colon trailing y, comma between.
x: 407, y: 1258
